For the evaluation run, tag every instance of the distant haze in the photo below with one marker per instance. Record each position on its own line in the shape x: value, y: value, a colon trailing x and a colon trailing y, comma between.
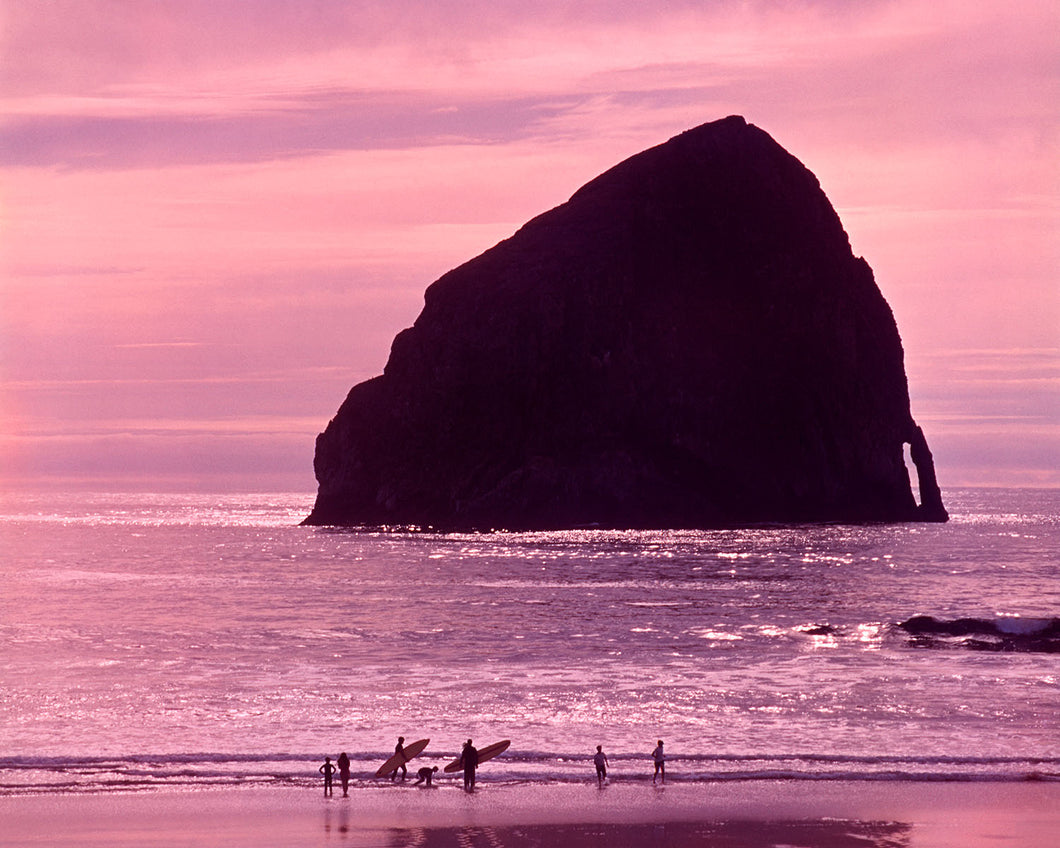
x: 215, y: 216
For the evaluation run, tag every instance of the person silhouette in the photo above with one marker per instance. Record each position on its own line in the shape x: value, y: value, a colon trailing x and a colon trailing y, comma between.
x: 343, y: 762
x: 425, y: 774
x: 600, y: 760
x: 469, y: 759
x: 660, y: 762
x: 400, y: 749
x: 328, y: 769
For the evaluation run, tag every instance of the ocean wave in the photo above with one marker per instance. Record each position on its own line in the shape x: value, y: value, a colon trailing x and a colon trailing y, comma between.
x: 525, y: 756
x: 80, y: 775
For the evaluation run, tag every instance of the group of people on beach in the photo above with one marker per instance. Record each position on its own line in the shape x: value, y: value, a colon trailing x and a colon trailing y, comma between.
x: 469, y: 764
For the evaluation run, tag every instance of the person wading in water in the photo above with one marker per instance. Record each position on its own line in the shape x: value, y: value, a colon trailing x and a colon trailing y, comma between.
x: 600, y: 760
x: 660, y: 762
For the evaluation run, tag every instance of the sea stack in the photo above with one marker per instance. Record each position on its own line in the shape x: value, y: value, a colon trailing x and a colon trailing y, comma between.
x: 687, y: 342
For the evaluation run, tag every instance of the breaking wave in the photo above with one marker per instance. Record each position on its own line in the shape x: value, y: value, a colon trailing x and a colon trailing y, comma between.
x: 139, y: 773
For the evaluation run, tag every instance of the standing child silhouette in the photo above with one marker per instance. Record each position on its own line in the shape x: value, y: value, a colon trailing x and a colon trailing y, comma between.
x: 328, y: 769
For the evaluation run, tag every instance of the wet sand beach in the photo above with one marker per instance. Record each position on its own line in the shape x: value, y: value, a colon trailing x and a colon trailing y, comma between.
x: 867, y: 814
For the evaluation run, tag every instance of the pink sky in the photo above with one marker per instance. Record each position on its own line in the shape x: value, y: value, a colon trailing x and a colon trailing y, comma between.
x: 216, y: 215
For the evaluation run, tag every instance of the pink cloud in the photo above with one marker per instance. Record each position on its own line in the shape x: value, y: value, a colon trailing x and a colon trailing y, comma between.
x: 194, y: 196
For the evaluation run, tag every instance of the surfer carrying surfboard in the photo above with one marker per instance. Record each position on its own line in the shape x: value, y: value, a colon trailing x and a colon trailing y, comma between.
x: 399, y: 750
x: 402, y: 754
x: 469, y: 760
x: 481, y: 755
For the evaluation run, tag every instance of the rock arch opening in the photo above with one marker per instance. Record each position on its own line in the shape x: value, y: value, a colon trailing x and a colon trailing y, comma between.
x: 928, y: 495
x: 914, y: 474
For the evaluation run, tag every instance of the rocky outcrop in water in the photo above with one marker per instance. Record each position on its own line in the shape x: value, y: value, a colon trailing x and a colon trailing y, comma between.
x: 687, y: 342
x: 1007, y: 634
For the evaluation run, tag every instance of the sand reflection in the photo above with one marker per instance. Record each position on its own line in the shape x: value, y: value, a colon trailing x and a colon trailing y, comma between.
x: 821, y: 833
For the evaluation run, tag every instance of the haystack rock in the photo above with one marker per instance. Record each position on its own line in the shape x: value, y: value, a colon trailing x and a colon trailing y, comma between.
x: 687, y: 342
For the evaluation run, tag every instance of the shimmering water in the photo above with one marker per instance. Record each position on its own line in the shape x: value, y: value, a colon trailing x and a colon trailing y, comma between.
x: 166, y: 639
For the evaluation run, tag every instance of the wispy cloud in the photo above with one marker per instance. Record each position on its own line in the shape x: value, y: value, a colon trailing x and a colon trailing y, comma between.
x: 211, y: 213
x: 323, y: 123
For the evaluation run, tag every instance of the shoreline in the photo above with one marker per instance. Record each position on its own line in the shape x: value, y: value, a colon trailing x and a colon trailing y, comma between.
x: 835, y: 814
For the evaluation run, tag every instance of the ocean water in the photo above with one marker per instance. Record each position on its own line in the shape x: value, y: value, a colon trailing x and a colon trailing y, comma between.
x: 193, y: 640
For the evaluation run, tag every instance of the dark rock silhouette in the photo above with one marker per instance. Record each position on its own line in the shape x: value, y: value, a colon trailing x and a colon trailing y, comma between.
x: 1039, y: 635
x: 687, y: 342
